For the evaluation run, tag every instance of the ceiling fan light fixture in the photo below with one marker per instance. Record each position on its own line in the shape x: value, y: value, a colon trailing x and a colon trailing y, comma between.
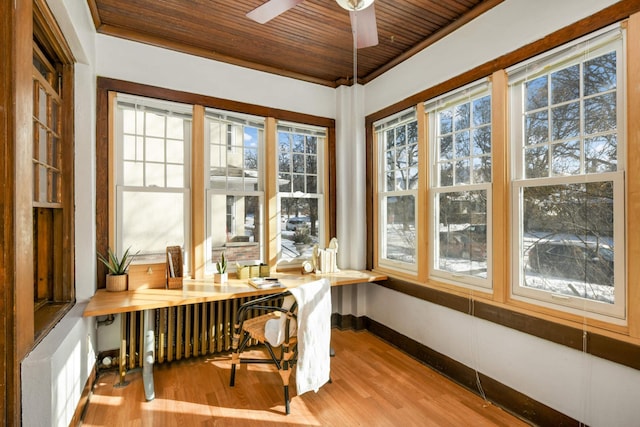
x: 354, y: 5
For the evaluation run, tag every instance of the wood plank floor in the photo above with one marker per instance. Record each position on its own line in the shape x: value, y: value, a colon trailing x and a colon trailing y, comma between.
x: 373, y: 384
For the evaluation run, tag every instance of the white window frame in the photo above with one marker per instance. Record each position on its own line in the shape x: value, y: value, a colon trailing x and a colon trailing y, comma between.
x: 463, y: 95
x: 322, y: 134
x: 120, y: 189
x: 577, y: 52
x: 230, y: 119
x: 381, y: 127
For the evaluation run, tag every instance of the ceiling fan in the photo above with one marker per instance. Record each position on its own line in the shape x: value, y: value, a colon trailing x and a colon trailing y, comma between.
x: 362, y: 13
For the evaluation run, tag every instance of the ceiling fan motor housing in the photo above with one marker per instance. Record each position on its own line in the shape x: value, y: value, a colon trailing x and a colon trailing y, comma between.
x: 354, y: 4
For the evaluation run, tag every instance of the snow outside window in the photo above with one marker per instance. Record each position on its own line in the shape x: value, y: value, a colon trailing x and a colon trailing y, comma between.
x: 460, y: 143
x: 568, y: 191
x: 397, y: 141
x: 300, y: 151
x: 234, y: 145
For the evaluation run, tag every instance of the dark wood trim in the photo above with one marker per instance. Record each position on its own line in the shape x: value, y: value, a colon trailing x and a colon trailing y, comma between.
x: 610, y: 15
x: 139, y: 89
x: 349, y: 321
x: 602, y: 346
x: 332, y: 163
x: 102, y: 181
x: 505, y: 397
x: 8, y: 372
x: 83, y: 403
x: 106, y: 85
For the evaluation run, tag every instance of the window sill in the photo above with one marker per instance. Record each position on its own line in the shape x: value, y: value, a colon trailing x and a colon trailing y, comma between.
x: 46, y: 316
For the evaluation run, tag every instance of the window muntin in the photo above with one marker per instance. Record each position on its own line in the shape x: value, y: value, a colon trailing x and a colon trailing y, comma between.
x: 461, y: 146
x: 568, y: 129
x: 47, y: 139
x: 235, y: 187
x: 397, y: 139
x: 152, y: 175
x: 300, y: 151
x: 52, y: 168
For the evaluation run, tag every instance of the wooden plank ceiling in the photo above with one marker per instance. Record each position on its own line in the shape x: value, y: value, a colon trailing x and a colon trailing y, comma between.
x: 311, y: 42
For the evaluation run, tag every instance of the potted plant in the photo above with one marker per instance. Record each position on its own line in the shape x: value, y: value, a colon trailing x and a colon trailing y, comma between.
x: 301, y: 239
x: 117, y: 276
x: 221, y: 267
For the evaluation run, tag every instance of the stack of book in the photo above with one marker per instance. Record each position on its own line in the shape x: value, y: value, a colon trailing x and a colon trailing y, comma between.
x: 265, y: 282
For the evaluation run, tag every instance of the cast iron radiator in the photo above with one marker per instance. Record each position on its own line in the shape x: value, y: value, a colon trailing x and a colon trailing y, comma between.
x: 182, y: 332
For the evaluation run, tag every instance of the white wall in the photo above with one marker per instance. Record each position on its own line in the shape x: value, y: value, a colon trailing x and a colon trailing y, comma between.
x: 592, y: 390
x: 140, y: 63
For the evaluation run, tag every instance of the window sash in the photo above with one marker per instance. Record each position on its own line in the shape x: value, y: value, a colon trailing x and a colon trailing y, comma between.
x: 402, y: 237
x: 615, y: 312
x: 459, y: 256
x: 305, y: 172
x: 162, y: 173
x: 578, y: 53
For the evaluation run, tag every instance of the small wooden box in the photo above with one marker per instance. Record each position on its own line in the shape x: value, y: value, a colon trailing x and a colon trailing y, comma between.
x: 147, y: 276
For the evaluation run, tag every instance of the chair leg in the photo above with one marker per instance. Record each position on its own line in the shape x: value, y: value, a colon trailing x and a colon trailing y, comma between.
x: 286, y: 400
x: 235, y: 356
x: 232, y: 381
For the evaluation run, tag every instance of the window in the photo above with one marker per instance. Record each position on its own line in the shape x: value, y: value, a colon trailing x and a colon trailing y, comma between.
x: 568, y: 192
x: 210, y: 175
x: 300, y: 189
x: 397, y: 140
x: 460, y: 143
x: 52, y: 163
x: 152, y: 175
x: 235, y: 188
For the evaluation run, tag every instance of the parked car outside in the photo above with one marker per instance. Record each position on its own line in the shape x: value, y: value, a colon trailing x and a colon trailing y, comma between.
x: 297, y: 222
x: 576, y: 260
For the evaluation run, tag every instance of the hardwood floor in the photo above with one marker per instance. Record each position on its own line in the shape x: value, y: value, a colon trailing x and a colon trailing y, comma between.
x: 373, y: 384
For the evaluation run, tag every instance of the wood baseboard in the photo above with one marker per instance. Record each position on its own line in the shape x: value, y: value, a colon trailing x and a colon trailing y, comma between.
x: 78, y: 415
x: 497, y: 393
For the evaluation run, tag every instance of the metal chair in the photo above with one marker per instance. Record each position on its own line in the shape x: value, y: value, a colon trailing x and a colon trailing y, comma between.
x: 284, y: 351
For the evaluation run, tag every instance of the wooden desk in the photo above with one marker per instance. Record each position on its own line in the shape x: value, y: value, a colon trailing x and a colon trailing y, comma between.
x: 193, y: 292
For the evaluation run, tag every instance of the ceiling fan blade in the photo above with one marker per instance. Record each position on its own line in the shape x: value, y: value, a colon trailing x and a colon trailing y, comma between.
x: 366, y: 28
x: 269, y: 10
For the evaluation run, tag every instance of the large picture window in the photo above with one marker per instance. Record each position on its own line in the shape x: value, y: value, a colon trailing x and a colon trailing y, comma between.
x: 568, y: 192
x: 397, y: 141
x: 460, y: 141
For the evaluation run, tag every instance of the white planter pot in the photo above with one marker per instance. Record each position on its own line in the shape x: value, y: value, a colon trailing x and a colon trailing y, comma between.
x: 220, y: 277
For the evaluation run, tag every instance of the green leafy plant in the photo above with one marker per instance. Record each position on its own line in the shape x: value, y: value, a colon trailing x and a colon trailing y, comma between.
x: 117, y: 267
x: 221, y: 265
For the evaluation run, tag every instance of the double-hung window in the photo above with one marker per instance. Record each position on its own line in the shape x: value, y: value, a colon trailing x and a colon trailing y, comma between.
x: 234, y: 187
x: 568, y: 120
x: 397, y: 141
x: 153, y: 140
x: 300, y: 159
x: 460, y: 190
